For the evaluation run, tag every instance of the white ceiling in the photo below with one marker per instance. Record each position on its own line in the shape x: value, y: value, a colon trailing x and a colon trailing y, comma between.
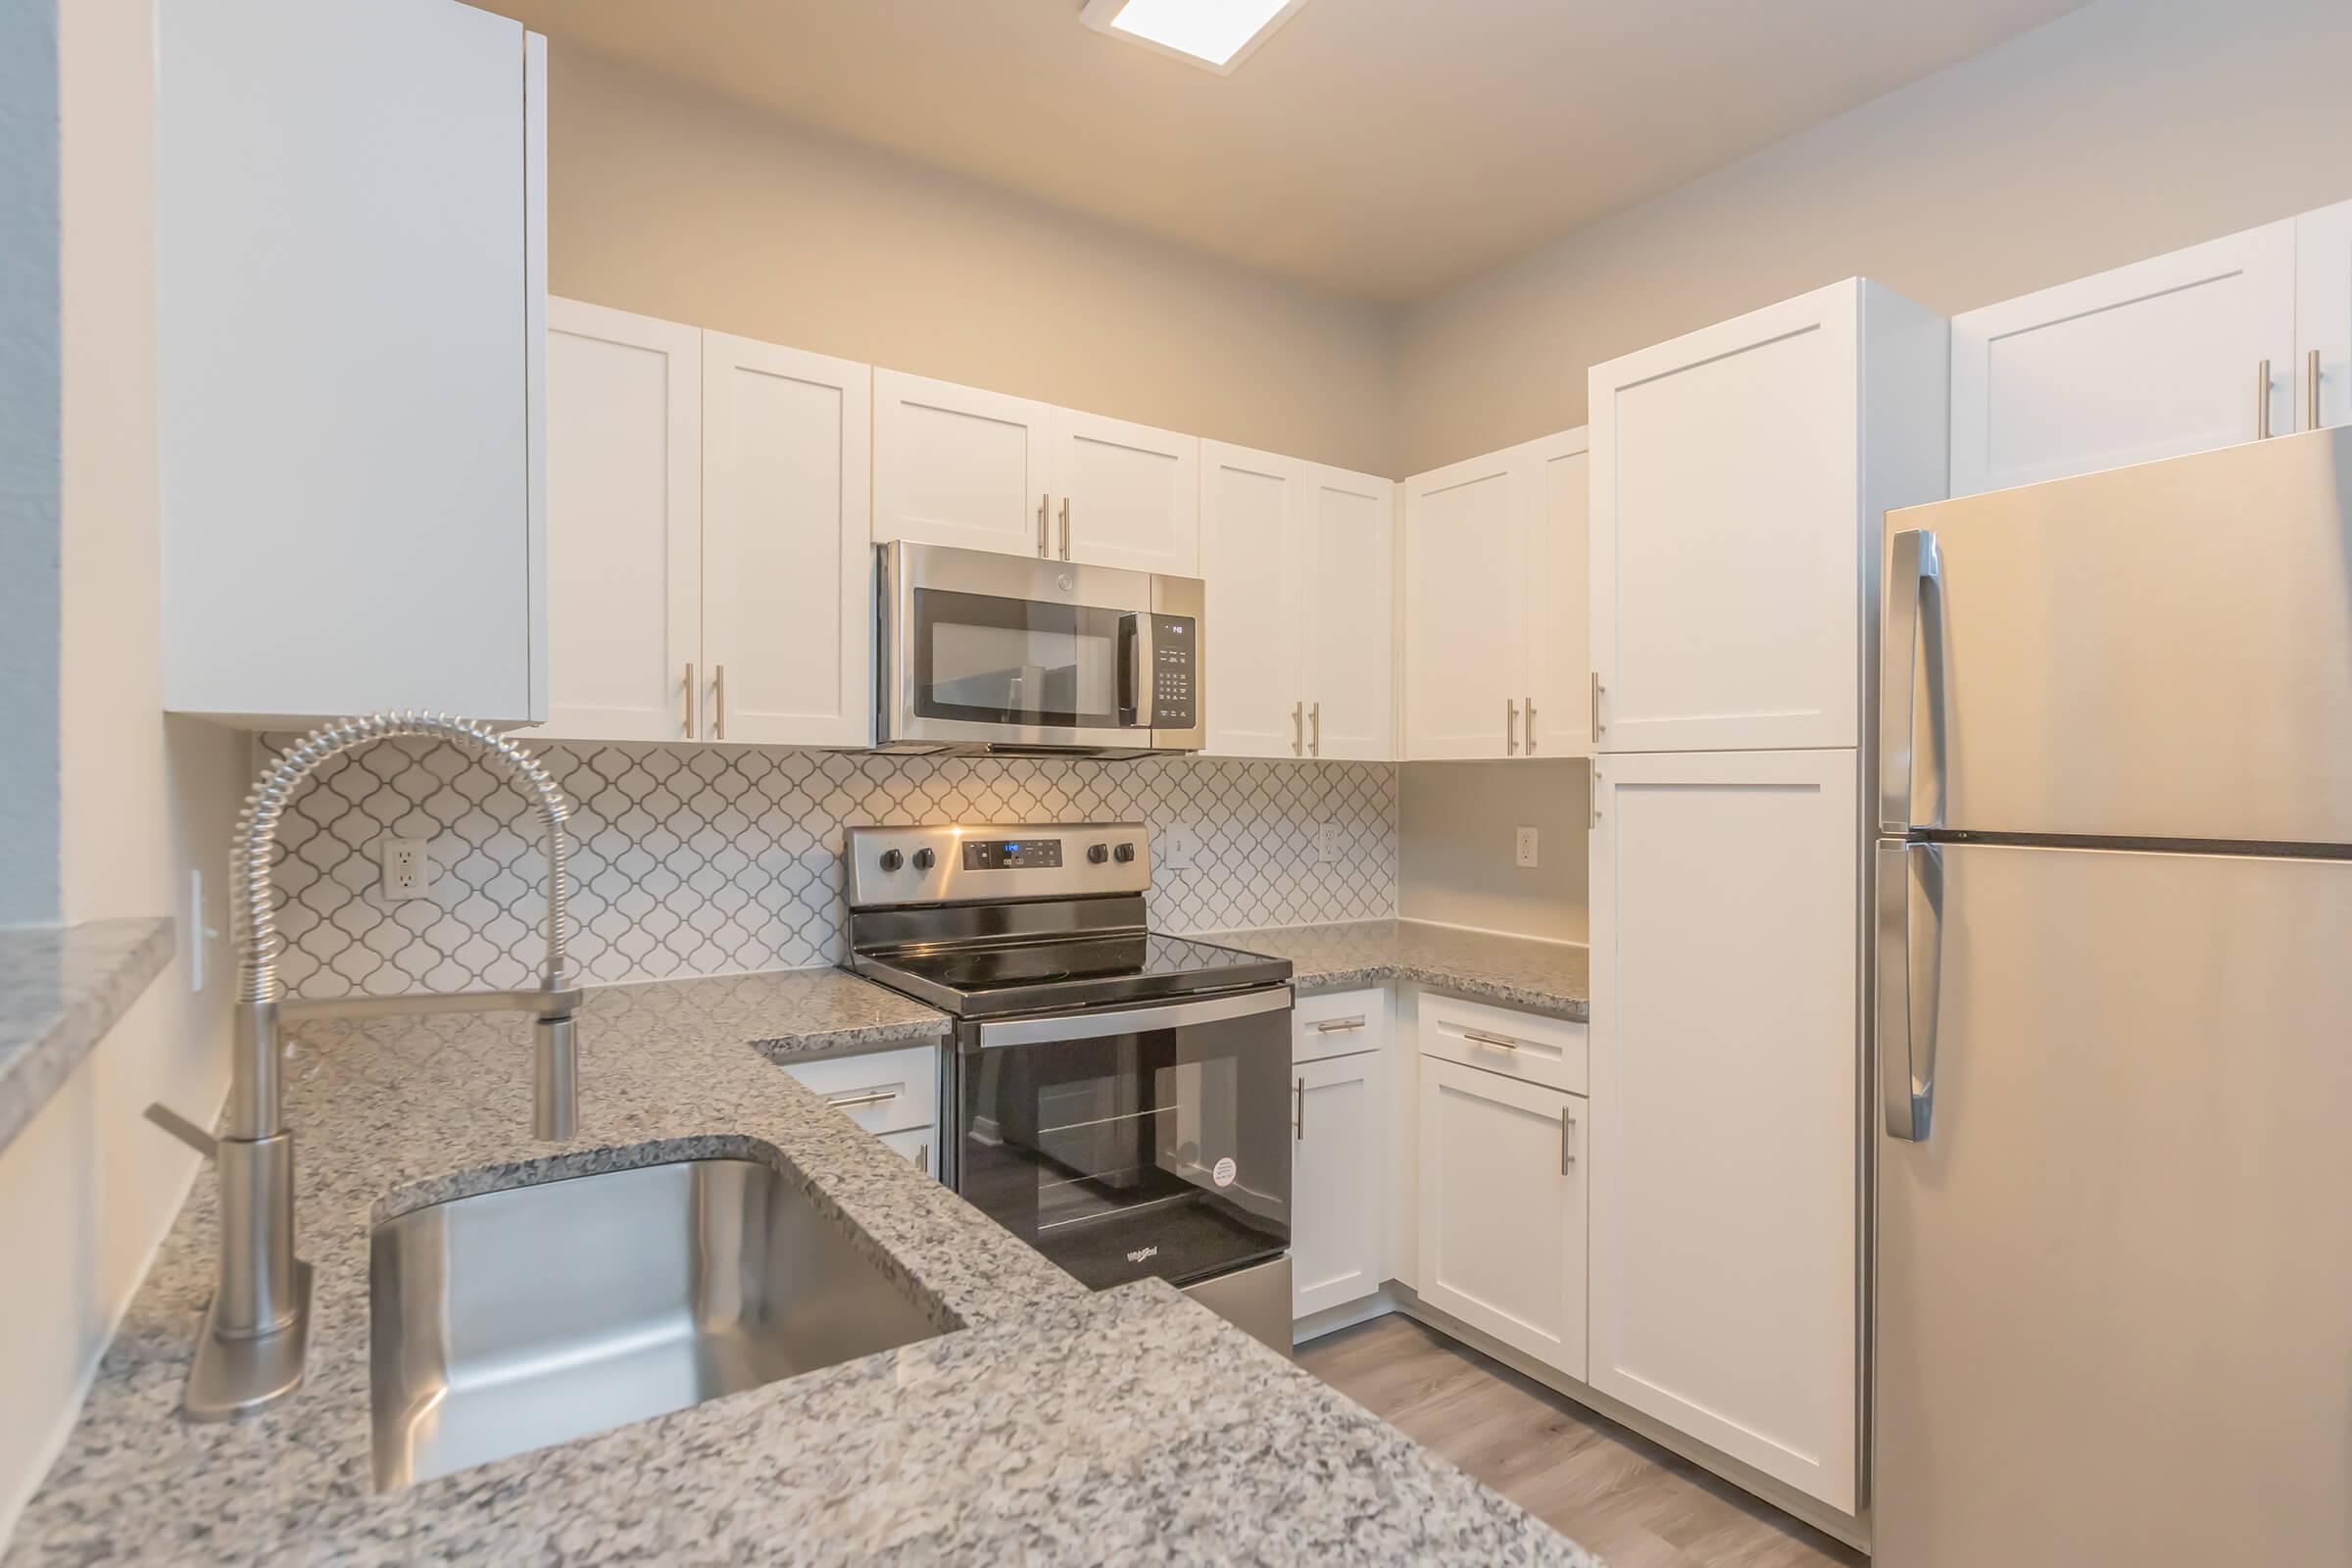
x: 1386, y: 148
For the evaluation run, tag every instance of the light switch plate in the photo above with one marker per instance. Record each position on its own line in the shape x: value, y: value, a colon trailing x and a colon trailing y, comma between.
x: 1526, y: 853
x: 1177, y: 846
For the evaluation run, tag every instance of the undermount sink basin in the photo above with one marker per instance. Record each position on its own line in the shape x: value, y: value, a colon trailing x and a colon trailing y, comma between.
x: 516, y: 1319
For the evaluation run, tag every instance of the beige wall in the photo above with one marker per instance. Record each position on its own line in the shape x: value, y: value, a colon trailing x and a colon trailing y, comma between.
x: 2122, y: 132
x: 1456, y: 827
x: 672, y: 203
x: 88, y: 1189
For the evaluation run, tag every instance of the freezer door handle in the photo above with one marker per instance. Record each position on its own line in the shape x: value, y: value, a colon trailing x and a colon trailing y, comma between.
x: 1910, y: 950
x: 1914, y: 611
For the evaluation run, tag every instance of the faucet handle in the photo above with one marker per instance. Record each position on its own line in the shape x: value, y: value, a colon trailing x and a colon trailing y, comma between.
x: 186, y: 1131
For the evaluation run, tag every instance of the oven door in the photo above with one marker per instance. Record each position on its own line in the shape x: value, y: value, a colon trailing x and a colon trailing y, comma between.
x: 1132, y: 1143
x: 981, y: 649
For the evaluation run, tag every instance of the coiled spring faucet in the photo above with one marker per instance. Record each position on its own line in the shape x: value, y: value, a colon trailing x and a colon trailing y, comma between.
x: 254, y: 1333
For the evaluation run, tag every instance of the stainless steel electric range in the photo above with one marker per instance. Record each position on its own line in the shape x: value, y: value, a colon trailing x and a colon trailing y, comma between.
x: 1120, y: 1098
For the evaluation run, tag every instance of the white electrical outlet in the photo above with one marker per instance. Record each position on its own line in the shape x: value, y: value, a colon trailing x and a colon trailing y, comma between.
x: 408, y: 869
x: 1176, y: 848
x: 1527, y: 847
x: 1327, y: 844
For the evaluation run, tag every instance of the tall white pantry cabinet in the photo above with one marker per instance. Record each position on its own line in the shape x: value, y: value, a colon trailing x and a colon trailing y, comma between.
x: 1738, y: 478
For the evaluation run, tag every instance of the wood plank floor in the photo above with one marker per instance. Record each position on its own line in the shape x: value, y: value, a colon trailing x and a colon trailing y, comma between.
x: 1589, y: 1478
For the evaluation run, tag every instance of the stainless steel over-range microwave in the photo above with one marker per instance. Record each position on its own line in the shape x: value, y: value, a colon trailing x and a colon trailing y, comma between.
x: 988, y: 653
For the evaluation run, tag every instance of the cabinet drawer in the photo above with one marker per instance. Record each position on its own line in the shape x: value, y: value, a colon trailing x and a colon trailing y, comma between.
x: 918, y: 1145
x: 1524, y: 1045
x: 1340, y: 1023
x: 883, y: 1091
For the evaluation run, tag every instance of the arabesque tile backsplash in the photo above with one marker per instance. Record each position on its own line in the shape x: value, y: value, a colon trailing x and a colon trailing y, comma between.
x: 694, y: 860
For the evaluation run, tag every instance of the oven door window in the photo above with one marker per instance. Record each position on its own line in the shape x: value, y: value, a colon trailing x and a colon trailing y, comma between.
x: 993, y: 660
x: 1159, y: 1152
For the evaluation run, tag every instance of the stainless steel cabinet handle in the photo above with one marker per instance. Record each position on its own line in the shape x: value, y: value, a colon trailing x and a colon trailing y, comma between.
x: 1299, y: 729
x: 1299, y: 1127
x: 878, y: 1096
x: 2310, y: 388
x: 1497, y: 1040
x: 923, y: 1155
x: 1065, y: 527
x: 692, y: 693
x: 1595, y: 710
x: 1914, y: 612
x: 1314, y: 746
x: 1510, y: 726
x: 1531, y: 726
x: 2262, y: 401
x: 1910, y: 916
x: 1567, y: 1139
x: 1332, y: 1026
x: 1045, y: 505
x: 718, y: 690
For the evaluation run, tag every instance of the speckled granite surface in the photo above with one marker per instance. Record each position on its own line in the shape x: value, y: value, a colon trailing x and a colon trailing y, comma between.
x: 1547, y: 977
x: 1056, y: 1426
x: 61, y: 988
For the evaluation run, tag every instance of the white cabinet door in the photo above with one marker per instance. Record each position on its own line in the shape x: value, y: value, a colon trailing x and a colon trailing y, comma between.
x: 1726, y: 539
x: 1125, y: 495
x: 1559, y: 611
x: 2324, y: 317
x: 2148, y: 361
x: 1250, y: 507
x: 1339, y: 1172
x: 957, y: 465
x: 1348, y: 561
x: 788, y: 570
x: 1464, y: 651
x: 350, y: 216
x: 624, y: 524
x: 1502, y: 1209
x: 1725, y: 1068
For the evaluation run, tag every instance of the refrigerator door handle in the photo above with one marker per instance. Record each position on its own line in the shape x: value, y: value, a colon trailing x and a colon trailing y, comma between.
x: 1910, y: 952
x: 1914, y: 607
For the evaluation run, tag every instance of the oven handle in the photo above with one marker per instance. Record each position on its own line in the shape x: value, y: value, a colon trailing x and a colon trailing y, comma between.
x: 1132, y: 1020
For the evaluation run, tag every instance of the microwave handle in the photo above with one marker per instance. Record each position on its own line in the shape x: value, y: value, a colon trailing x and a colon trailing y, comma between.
x: 1135, y: 658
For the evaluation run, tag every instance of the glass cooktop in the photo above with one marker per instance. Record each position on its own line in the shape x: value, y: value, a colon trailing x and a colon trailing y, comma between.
x: 972, y: 979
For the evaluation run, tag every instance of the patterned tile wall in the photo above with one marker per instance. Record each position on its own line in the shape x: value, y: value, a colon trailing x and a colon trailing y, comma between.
x: 708, y: 861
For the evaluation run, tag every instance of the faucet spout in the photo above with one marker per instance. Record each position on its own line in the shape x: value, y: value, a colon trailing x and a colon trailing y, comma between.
x: 251, y: 1351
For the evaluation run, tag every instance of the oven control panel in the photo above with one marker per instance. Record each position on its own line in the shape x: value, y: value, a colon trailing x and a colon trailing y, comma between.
x: 1012, y: 855
x: 1174, y: 672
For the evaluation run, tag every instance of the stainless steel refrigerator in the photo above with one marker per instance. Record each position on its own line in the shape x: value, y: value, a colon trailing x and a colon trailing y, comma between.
x: 2113, y: 998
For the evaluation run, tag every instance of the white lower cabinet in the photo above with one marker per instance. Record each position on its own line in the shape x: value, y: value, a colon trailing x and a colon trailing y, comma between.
x: 1501, y: 1178
x: 1340, y: 1113
x: 919, y: 1146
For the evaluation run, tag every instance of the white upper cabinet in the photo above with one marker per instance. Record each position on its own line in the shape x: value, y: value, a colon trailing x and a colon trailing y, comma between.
x: 1739, y: 477
x: 2179, y: 354
x: 1497, y: 607
x: 957, y: 465
x: 1724, y: 1073
x: 787, y: 572
x: 1125, y: 495
x: 1297, y: 559
x: 981, y: 470
x: 1464, y: 624
x: 2322, y: 367
x: 624, y: 524
x: 351, y: 228
x: 1348, y: 558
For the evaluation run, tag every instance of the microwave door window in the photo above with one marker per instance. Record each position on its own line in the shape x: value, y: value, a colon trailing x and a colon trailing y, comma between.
x: 994, y: 661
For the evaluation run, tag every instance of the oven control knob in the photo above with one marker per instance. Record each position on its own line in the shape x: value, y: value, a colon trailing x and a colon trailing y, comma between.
x: 892, y: 859
x: 924, y: 859
x: 1099, y: 854
x: 1123, y: 854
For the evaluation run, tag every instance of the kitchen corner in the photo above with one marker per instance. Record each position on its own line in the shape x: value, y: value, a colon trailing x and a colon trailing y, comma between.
x: 1050, y: 1424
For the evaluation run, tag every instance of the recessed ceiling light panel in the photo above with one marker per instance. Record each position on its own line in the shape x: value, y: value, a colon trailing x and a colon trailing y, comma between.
x: 1215, y: 34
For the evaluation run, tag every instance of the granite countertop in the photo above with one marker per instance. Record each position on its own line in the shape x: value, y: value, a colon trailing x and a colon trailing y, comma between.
x: 1549, y: 977
x: 61, y: 988
x: 1050, y: 1425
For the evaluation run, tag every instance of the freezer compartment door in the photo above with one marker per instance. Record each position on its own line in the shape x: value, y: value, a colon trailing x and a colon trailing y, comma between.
x: 2159, y: 651
x: 2114, y: 1318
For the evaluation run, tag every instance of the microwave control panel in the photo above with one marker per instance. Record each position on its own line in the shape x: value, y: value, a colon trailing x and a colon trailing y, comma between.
x: 1174, y: 674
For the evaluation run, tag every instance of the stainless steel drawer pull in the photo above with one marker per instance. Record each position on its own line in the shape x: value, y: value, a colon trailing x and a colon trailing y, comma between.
x: 1314, y: 746
x: 1531, y: 726
x: 1567, y: 1139
x: 1597, y: 725
x: 1045, y: 505
x: 2262, y: 401
x: 1332, y: 1026
x: 693, y: 694
x: 718, y: 697
x: 1299, y: 729
x: 2311, y: 393
x: 1510, y: 726
x: 1497, y: 1040
x: 1065, y: 527
x: 1299, y: 1127
x: 878, y: 1096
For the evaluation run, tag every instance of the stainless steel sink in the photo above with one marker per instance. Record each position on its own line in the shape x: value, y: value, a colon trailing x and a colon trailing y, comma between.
x: 516, y: 1319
